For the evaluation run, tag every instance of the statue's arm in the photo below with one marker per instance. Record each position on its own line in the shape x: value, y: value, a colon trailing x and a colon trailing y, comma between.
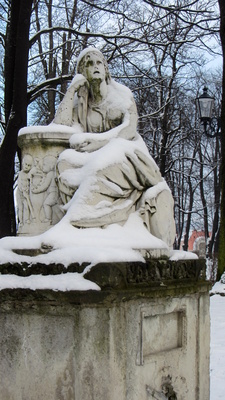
x: 45, y: 184
x: 94, y: 141
x: 64, y: 114
x: 128, y: 128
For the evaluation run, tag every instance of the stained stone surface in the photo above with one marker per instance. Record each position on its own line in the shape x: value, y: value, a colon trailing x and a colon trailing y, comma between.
x: 145, y: 335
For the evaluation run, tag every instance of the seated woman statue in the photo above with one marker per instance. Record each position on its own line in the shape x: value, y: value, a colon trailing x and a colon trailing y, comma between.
x: 108, y: 174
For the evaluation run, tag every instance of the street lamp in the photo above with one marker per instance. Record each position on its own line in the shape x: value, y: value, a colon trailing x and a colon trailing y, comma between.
x: 205, y: 104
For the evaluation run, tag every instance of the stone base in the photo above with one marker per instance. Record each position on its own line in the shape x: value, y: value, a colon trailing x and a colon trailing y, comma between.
x: 145, y: 335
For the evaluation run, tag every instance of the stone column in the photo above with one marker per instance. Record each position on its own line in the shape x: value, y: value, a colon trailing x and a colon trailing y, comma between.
x: 38, y: 200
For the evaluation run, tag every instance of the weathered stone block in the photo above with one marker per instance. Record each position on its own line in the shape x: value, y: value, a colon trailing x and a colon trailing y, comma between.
x: 135, y: 339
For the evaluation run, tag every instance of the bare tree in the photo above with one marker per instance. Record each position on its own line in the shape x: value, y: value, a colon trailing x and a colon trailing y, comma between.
x: 16, y: 63
x: 221, y: 264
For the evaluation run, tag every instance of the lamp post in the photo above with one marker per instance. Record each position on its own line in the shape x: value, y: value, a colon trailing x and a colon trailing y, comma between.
x: 211, y: 125
x: 211, y: 128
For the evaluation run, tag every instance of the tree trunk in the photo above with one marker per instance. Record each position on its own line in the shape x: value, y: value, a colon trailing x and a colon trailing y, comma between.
x: 221, y: 259
x: 188, y: 222
x: 204, y: 203
x: 16, y: 62
x: 211, y: 250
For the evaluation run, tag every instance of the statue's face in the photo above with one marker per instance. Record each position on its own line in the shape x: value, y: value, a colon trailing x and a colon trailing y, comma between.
x: 48, y: 164
x: 27, y: 164
x: 94, y: 68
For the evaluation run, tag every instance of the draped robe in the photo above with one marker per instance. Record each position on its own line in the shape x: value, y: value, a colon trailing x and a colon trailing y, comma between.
x: 108, y: 173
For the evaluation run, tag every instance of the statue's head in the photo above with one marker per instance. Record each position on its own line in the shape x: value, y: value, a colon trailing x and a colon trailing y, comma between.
x: 48, y: 164
x: 89, y: 55
x: 27, y: 163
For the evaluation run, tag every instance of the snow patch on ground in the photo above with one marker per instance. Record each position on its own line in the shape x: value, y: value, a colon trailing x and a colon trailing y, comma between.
x: 217, y: 347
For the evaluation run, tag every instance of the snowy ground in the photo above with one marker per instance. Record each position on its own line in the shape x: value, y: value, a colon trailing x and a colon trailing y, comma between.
x: 217, y: 360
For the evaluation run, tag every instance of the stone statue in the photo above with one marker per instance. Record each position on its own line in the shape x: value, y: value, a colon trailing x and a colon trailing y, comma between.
x: 37, y: 195
x: 48, y: 186
x: 25, y: 207
x: 108, y: 174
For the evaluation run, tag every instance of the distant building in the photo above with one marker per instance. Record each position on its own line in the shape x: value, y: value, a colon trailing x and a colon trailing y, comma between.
x: 196, y: 243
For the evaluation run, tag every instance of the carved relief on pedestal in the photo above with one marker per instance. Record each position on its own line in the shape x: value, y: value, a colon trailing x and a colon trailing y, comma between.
x: 25, y: 207
x: 38, y: 200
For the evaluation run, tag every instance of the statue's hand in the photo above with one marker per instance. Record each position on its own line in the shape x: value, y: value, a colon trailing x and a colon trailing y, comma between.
x: 78, y: 82
x: 89, y: 146
x: 86, y: 146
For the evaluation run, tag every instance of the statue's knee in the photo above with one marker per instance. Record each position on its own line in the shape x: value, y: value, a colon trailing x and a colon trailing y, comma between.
x: 162, y: 223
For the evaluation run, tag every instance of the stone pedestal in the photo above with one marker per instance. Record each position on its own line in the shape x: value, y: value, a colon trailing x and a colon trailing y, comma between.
x: 145, y: 335
x: 42, y: 144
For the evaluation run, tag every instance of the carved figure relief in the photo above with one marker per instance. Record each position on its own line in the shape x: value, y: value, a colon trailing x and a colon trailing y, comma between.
x: 47, y: 185
x: 37, y: 195
x: 25, y: 207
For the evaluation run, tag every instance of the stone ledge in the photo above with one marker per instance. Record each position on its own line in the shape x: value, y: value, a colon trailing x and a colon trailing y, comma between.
x: 121, y: 274
x: 43, y: 136
x: 150, y: 274
x: 57, y: 302
x: 119, y: 282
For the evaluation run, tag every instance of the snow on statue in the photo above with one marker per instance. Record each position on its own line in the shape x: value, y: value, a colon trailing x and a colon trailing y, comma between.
x: 107, y: 173
x: 93, y: 192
